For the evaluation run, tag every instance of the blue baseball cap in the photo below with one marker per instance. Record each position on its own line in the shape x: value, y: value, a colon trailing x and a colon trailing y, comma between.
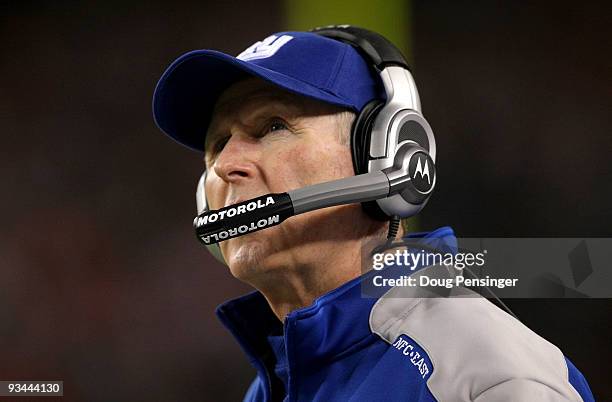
x: 303, y: 63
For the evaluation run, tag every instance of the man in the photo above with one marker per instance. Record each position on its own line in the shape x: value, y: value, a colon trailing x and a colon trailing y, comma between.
x: 278, y: 118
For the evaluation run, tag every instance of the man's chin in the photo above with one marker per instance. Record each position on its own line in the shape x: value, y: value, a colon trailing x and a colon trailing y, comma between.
x: 247, y: 255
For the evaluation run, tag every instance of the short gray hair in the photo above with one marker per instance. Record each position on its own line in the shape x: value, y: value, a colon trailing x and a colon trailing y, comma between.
x: 344, y: 122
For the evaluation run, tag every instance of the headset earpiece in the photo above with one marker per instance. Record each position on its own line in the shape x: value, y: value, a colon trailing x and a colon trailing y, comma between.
x: 360, y: 143
x: 201, y: 201
x: 382, y: 128
x: 360, y: 135
x: 202, y: 206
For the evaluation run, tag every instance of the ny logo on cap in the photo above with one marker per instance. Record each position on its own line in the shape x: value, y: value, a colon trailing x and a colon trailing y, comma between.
x: 265, y: 48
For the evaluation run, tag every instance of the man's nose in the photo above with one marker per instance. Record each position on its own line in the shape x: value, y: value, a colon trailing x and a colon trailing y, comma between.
x: 237, y: 159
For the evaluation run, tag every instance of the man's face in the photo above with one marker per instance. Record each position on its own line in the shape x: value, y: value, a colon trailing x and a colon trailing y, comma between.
x: 265, y: 140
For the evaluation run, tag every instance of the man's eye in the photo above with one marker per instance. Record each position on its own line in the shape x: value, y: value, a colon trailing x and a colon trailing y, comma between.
x: 275, y: 125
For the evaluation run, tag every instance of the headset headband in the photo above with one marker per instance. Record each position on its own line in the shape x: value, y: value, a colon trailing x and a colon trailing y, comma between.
x: 378, y: 50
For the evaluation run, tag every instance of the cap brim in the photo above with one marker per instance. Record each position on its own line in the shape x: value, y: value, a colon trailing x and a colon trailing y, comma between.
x: 188, y: 90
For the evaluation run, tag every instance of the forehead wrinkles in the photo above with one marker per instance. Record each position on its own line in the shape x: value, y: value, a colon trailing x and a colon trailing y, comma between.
x: 243, y: 110
x: 240, y: 101
x: 247, y: 101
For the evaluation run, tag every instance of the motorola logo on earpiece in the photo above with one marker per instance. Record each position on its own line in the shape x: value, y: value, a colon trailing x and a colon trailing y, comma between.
x: 422, y: 171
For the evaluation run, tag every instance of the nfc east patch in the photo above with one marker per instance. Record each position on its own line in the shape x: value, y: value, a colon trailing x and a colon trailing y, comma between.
x: 414, y: 354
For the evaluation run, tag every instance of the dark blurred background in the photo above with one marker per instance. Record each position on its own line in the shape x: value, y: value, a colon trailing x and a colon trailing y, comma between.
x: 102, y: 283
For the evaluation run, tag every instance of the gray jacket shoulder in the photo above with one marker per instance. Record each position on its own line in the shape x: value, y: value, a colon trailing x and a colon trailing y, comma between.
x: 478, y: 352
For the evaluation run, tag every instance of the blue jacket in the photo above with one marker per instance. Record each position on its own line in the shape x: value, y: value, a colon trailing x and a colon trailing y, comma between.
x: 350, y: 348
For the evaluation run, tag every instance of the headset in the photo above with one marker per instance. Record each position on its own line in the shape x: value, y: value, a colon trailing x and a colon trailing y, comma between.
x: 392, y: 146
